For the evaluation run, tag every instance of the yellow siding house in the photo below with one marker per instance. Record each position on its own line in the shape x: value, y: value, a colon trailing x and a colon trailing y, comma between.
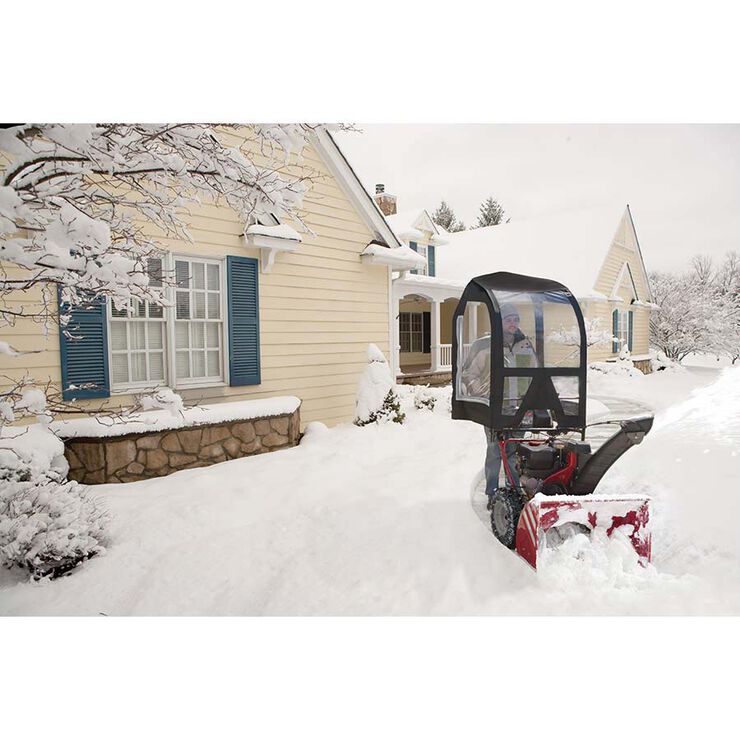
x: 318, y: 298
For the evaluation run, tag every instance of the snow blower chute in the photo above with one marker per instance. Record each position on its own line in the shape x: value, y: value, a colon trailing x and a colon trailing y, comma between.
x: 519, y: 368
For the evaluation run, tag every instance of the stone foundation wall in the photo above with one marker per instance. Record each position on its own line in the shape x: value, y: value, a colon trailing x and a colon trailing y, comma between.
x: 643, y: 366
x: 438, y: 379
x: 141, y: 455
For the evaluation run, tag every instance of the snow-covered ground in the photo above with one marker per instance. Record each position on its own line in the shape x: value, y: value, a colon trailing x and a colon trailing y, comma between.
x: 378, y: 520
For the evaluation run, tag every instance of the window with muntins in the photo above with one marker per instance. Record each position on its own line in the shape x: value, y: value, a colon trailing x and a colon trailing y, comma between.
x: 411, y: 332
x: 623, y: 329
x: 180, y: 345
x: 198, y: 320
x: 137, y: 339
x: 422, y: 251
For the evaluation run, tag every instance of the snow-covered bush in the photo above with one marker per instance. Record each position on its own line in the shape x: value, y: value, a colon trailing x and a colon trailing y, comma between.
x: 424, y: 398
x: 376, y: 399
x: 660, y: 363
x: 47, y: 525
x: 625, y: 368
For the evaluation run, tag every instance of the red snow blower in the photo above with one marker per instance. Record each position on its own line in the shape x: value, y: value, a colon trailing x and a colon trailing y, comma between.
x: 519, y: 367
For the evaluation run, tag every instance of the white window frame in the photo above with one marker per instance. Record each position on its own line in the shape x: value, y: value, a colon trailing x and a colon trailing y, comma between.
x: 169, y: 316
x: 421, y: 250
x: 623, y: 329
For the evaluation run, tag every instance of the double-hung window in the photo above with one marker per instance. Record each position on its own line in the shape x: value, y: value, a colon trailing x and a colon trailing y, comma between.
x: 137, y: 339
x: 411, y: 332
x: 198, y: 321
x: 623, y: 329
x: 180, y: 345
x: 421, y: 250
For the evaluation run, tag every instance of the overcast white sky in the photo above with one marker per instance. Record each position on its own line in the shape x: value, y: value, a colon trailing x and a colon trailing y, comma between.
x: 682, y: 182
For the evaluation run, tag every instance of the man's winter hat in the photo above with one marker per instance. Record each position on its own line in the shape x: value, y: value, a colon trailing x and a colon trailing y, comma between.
x: 509, y: 309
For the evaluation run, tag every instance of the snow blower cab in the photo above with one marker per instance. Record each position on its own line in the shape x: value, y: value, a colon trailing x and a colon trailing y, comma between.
x: 519, y: 368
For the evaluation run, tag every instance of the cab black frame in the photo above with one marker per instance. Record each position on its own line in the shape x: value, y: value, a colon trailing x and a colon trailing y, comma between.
x: 541, y: 394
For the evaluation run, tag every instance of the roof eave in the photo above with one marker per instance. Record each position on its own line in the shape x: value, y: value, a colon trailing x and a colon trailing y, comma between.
x: 329, y: 151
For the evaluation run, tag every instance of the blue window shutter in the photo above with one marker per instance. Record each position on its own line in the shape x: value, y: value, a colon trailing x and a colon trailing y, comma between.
x: 84, y: 353
x: 416, y: 249
x: 629, y: 335
x: 615, y: 330
x: 431, y: 267
x: 242, y: 277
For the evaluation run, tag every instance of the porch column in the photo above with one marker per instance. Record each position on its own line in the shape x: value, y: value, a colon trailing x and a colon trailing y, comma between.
x: 395, y: 338
x: 435, y: 336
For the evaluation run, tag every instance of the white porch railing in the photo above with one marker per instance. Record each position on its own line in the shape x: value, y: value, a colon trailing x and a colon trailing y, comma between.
x: 445, y: 355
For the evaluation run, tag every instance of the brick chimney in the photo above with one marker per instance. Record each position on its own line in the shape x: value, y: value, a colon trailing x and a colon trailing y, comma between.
x: 386, y: 202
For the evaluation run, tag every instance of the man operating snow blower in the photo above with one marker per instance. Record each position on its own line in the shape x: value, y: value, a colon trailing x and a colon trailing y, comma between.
x: 476, y: 375
x: 512, y: 374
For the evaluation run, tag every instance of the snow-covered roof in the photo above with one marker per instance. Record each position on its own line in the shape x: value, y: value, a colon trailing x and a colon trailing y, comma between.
x: 411, y: 225
x: 569, y: 247
x: 281, y: 231
x: 335, y: 159
x: 425, y: 280
x: 402, y: 258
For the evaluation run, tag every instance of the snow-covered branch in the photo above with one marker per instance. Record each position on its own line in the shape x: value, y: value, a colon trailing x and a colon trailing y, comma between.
x: 75, y: 199
x: 82, y: 208
x: 571, y: 337
x: 699, y: 309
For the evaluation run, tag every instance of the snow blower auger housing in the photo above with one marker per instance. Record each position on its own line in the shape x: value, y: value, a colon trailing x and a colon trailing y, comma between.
x: 519, y: 368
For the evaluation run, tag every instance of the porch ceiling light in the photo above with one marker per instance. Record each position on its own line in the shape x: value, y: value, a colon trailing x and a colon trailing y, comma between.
x: 270, y: 240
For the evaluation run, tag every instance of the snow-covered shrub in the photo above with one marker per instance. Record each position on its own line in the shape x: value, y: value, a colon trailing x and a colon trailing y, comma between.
x: 424, y: 398
x: 660, y: 363
x: 48, y: 527
x: 47, y: 524
x: 625, y: 368
x: 29, y: 453
x: 390, y: 410
x: 376, y: 399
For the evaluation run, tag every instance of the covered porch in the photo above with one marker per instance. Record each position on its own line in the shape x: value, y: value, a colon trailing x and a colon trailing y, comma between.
x: 422, y: 342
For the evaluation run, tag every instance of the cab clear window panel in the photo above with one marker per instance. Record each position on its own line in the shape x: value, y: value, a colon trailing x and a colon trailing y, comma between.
x: 515, y: 388
x: 567, y: 390
x: 562, y: 337
x: 517, y: 315
x: 474, y: 353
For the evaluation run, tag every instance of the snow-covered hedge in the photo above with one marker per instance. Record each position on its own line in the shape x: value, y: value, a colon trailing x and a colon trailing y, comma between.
x: 47, y: 525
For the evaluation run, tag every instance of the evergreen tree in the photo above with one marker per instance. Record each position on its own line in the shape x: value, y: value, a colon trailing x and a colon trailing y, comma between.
x: 491, y: 213
x: 446, y: 218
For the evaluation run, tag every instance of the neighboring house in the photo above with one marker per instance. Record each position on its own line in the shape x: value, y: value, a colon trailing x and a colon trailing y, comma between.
x: 594, y: 252
x: 259, y: 310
